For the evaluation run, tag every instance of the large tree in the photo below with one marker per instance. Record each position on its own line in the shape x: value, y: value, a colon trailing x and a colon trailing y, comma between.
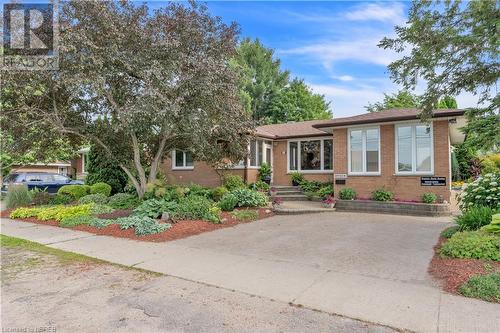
x: 296, y: 102
x: 401, y: 99
x: 453, y: 47
x: 138, y: 84
x: 261, y: 75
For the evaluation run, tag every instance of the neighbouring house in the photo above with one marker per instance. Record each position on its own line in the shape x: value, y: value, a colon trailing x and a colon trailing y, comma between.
x: 76, y: 168
x: 60, y: 167
x: 390, y: 149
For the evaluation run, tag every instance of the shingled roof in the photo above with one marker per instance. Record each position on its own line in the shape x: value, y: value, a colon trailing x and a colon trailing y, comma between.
x: 313, y: 128
x: 388, y: 116
x: 291, y: 129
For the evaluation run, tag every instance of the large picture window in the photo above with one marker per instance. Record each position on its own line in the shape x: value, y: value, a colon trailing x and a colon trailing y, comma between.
x: 364, y: 151
x: 414, y: 154
x: 315, y: 155
x: 182, y: 160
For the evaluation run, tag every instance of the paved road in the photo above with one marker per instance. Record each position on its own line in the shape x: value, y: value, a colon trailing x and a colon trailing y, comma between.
x: 364, y: 266
x: 38, y: 291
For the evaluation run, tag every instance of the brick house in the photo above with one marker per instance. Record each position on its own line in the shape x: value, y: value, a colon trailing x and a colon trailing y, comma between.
x: 390, y: 149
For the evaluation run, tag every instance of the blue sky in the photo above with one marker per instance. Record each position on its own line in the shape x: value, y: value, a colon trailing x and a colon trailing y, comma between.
x: 332, y: 45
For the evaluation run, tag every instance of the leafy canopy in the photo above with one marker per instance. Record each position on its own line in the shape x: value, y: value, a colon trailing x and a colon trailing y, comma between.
x: 138, y: 84
x: 453, y: 47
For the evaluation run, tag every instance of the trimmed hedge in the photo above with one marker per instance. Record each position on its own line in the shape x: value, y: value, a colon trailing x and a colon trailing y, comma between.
x: 101, y: 188
x: 75, y: 191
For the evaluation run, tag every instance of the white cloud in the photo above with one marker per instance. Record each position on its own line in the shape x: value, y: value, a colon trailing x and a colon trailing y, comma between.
x: 344, y: 78
x: 387, y: 12
x: 362, y: 50
x: 347, y: 101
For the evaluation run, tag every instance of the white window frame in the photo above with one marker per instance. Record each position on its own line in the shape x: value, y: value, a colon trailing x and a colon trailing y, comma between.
x: 85, y: 156
x: 414, y: 150
x: 184, y: 167
x: 322, y: 157
x: 363, y: 152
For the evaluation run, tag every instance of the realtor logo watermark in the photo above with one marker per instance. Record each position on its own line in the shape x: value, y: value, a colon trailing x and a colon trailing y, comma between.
x: 29, y: 36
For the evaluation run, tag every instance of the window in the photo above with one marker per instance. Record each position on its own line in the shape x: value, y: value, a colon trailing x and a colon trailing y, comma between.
x: 364, y: 151
x: 310, y: 155
x: 414, y: 154
x: 85, y: 162
x: 260, y: 152
x: 182, y: 160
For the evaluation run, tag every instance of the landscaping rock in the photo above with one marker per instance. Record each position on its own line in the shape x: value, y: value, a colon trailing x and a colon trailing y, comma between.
x: 165, y: 216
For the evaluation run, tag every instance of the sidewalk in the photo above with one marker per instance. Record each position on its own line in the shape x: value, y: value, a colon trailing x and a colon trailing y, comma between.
x: 410, y: 306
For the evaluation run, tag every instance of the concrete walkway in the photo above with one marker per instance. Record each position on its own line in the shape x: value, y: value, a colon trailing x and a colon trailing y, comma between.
x: 334, y: 262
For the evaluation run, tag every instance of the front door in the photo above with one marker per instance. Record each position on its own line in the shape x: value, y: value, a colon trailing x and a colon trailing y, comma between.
x: 268, y: 149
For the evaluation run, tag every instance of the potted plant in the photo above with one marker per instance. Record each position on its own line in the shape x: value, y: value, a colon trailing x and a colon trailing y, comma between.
x: 329, y: 202
x: 265, y: 173
x: 297, y: 178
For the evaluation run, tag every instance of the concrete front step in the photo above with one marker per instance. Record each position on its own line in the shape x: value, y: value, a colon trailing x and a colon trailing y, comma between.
x: 290, y: 192
x: 293, y: 197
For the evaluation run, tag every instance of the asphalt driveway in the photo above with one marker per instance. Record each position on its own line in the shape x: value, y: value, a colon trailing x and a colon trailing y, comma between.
x: 383, y: 246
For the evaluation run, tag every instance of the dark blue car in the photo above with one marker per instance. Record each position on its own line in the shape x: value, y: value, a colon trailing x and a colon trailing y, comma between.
x: 51, y: 182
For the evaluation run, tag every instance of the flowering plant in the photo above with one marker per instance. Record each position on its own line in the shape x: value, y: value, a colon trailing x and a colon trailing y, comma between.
x: 277, y: 201
x: 329, y: 200
x: 484, y: 191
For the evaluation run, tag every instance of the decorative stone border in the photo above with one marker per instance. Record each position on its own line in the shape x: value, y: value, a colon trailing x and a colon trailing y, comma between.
x: 392, y: 207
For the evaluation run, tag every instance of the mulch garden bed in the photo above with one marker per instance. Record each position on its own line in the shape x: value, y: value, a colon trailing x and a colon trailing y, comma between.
x: 179, y: 229
x: 451, y: 273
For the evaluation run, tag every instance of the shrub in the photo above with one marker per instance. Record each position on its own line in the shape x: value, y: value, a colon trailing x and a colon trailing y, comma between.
x: 94, y: 198
x: 23, y: 212
x: 484, y: 191
x: 485, y: 287
x: 101, y: 223
x: 450, y: 231
x: 474, y: 218
x: 73, y: 221
x: 347, y: 193
x: 259, y: 186
x: 17, y: 195
x: 147, y: 226
x: 101, y: 188
x: 313, y: 186
x: 429, y: 198
x: 195, y: 189
x: 382, y: 194
x: 156, y: 189
x: 472, y: 245
x: 228, y: 202
x: 101, y: 209
x: 75, y: 191
x: 61, y: 199
x: 249, y: 198
x: 494, y: 226
x: 39, y: 197
x: 232, y: 182
x: 218, y: 193
x: 325, y: 191
x: 192, y: 207
x: 491, y: 164
x: 153, y: 208
x: 123, y: 201
x: 58, y: 213
x: 297, y: 178
x: 264, y: 171
x: 102, y: 168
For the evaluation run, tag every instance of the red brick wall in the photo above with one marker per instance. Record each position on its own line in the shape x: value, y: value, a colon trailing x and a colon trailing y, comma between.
x: 404, y: 187
x: 280, y: 160
x: 202, y: 174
